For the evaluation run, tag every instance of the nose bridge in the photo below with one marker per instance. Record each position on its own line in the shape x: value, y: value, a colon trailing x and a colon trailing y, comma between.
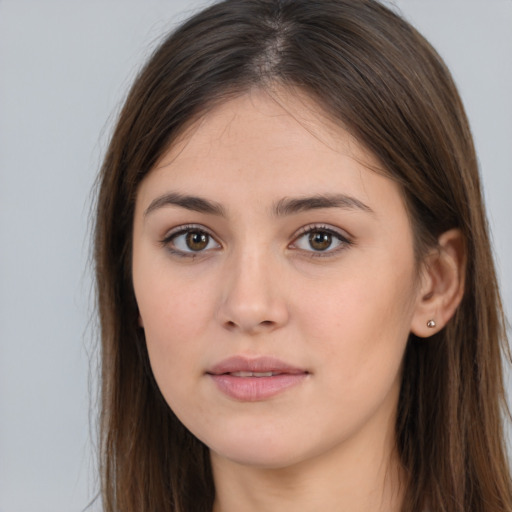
x: 252, y: 298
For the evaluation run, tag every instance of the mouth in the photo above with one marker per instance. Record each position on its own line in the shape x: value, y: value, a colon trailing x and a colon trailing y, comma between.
x: 252, y: 380
x: 254, y: 374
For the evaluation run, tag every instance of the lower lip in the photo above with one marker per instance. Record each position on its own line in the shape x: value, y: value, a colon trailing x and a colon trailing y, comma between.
x: 254, y: 389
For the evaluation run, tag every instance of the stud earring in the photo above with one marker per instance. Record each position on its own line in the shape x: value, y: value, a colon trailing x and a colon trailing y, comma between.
x: 431, y: 324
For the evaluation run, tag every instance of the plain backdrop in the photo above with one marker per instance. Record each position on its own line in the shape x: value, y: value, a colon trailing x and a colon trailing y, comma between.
x: 65, y: 67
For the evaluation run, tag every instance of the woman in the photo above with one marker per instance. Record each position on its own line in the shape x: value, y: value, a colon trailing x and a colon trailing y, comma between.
x: 298, y: 302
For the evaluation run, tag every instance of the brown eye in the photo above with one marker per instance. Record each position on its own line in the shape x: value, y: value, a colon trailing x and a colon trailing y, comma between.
x: 189, y: 241
x: 197, y: 240
x: 320, y: 240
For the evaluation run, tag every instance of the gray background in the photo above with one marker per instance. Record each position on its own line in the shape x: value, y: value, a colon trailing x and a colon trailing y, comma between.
x: 64, y: 69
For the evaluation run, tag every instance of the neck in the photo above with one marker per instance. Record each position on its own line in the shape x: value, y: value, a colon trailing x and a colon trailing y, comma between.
x: 354, y: 477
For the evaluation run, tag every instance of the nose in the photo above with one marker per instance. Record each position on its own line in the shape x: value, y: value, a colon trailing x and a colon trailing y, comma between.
x: 253, y: 299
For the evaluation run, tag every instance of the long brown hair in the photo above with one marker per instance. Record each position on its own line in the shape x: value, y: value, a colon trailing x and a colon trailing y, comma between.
x: 381, y: 80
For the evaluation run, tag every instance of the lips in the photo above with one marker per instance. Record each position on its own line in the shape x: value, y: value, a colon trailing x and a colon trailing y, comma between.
x: 254, y: 374
x: 257, y: 379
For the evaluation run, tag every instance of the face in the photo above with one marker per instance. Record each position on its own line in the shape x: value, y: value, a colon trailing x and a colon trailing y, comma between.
x: 276, y: 283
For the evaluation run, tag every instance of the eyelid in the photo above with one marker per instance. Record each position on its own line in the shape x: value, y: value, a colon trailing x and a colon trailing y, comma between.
x: 344, y: 238
x: 184, y: 228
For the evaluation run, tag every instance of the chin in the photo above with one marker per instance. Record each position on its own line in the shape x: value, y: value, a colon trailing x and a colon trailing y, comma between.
x: 259, y: 451
x: 260, y: 459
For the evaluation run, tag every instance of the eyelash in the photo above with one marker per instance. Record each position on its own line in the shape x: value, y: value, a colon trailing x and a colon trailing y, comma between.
x: 167, y: 241
x: 344, y: 240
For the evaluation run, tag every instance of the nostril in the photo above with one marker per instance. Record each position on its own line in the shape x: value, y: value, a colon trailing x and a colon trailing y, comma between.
x: 231, y: 325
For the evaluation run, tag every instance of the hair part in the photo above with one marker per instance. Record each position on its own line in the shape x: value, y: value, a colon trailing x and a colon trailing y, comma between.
x: 382, y: 81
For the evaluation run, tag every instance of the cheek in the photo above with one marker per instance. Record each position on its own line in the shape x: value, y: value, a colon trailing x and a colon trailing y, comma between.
x: 360, y: 322
x: 169, y: 313
x: 175, y: 313
x: 169, y: 297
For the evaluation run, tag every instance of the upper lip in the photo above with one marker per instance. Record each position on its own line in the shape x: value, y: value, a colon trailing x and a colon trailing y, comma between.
x: 257, y: 365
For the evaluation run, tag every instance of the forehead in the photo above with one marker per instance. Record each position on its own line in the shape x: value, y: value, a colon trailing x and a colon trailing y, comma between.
x: 268, y: 145
x: 289, y: 115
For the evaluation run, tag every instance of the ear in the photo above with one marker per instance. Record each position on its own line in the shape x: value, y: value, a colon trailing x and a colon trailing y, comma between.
x: 442, y: 284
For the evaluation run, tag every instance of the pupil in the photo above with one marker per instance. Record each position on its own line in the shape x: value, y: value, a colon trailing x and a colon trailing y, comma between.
x: 196, y: 241
x: 320, y: 240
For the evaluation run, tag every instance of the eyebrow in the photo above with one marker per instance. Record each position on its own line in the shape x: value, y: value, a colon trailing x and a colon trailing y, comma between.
x: 290, y: 206
x: 193, y: 203
x: 284, y: 207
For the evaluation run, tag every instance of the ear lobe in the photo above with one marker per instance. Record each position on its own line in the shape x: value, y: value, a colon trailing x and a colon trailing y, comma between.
x: 442, y: 284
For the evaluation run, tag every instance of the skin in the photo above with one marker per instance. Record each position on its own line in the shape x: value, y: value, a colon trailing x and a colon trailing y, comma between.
x: 259, y: 289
